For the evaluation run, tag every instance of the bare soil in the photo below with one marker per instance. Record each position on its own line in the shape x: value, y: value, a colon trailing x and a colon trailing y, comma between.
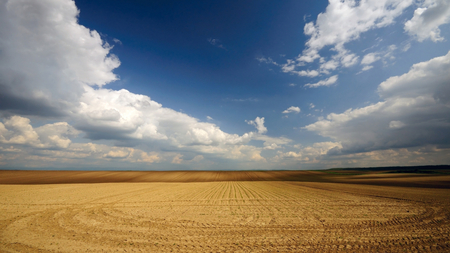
x: 223, y: 212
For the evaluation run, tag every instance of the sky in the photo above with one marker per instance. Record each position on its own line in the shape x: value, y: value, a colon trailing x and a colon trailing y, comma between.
x: 224, y: 85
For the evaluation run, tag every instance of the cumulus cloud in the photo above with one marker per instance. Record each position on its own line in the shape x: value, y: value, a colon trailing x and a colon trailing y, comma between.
x: 34, y: 147
x: 414, y: 112
x: 79, y: 155
x: 150, y: 157
x: 118, y: 153
x: 57, y: 134
x: 327, y: 82
x: 427, y: 19
x: 18, y: 130
x: 122, y: 115
x: 259, y: 124
x: 329, y: 65
x: 292, y: 109
x: 342, y: 22
x: 47, y: 57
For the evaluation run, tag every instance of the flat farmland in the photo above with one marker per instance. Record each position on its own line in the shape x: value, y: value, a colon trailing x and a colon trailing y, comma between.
x: 267, y: 213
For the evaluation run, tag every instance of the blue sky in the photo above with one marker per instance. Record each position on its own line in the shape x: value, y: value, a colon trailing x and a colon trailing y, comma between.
x: 164, y: 85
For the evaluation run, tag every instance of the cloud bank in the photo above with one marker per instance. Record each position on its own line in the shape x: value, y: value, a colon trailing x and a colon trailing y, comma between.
x: 413, y: 113
x: 51, y: 66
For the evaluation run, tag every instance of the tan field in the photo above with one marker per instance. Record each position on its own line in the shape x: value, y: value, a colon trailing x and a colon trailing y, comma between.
x: 288, y: 211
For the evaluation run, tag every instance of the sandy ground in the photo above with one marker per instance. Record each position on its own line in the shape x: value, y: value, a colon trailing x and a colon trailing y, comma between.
x: 224, y: 216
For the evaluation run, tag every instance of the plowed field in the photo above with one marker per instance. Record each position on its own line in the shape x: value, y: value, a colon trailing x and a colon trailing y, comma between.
x: 223, y: 216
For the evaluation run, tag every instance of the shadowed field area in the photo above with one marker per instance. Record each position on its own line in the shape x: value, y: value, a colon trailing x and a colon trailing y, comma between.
x: 286, y: 211
x: 392, y: 177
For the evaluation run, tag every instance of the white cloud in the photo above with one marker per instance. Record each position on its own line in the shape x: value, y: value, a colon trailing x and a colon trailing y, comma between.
x: 343, y: 21
x: 406, y: 47
x: 329, y: 65
x: 122, y: 115
x: 18, y: 130
x: 272, y: 140
x: 365, y: 68
x: 289, y: 67
x: 57, y: 134
x: 424, y: 78
x: 197, y: 158
x: 309, y: 55
x: 310, y: 154
x: 370, y: 58
x: 292, y: 109
x: 344, y: 56
x: 259, y: 124
x: 414, y: 113
x: 396, y: 124
x: 216, y: 42
x: 308, y: 73
x: 51, y: 144
x: 427, y: 19
x: 327, y: 82
x: 149, y: 157
x: 321, y: 158
x: 384, y: 55
x: 117, y: 41
x: 311, y: 106
x: 118, y: 153
x: 272, y: 146
x: 266, y: 60
x: 47, y: 57
x: 242, y: 99
x: 177, y: 159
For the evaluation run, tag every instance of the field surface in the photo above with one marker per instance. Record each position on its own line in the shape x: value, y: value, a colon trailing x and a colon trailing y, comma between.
x: 246, y: 212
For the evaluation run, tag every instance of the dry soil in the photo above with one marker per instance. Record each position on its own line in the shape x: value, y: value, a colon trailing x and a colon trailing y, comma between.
x: 205, y: 213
